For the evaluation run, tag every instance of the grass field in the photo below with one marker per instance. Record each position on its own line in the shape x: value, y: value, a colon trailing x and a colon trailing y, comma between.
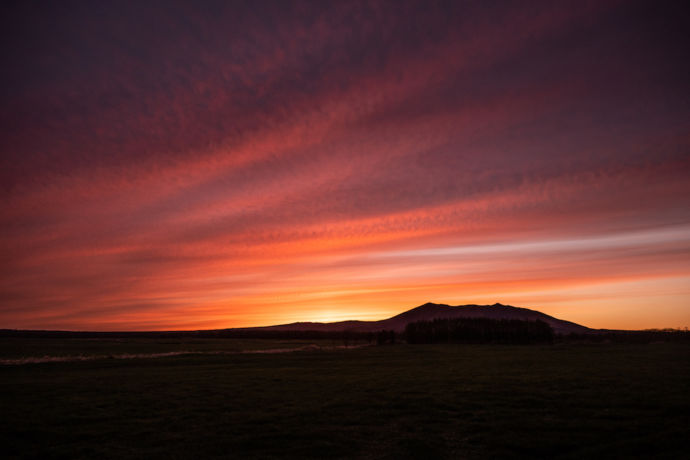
x: 400, y: 401
x: 14, y: 349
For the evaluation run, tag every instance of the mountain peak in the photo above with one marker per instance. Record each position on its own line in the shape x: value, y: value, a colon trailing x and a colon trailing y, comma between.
x: 431, y: 311
x: 432, y: 304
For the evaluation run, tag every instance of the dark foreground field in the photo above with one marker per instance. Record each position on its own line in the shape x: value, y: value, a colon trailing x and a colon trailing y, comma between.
x: 401, y: 401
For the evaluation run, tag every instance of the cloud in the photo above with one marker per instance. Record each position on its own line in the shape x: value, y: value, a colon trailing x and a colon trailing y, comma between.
x: 242, y: 165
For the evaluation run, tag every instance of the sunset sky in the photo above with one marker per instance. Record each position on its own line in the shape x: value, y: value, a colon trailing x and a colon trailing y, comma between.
x: 194, y: 165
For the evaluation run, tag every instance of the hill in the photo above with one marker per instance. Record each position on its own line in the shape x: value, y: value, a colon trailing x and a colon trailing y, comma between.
x: 430, y: 311
x: 397, y: 323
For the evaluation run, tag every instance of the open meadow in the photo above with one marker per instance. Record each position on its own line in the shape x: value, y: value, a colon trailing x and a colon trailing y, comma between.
x: 391, y: 401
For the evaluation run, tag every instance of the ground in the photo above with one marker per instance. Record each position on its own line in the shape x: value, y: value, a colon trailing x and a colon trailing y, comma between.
x: 392, y: 401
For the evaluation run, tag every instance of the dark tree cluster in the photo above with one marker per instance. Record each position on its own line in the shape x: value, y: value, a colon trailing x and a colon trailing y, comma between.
x: 384, y: 337
x: 479, y: 330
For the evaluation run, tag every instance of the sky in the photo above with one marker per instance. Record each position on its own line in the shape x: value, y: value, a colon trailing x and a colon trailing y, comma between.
x: 194, y: 165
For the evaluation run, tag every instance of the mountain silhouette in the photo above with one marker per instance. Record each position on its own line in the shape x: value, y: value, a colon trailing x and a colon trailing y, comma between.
x: 427, y: 312
x: 430, y: 311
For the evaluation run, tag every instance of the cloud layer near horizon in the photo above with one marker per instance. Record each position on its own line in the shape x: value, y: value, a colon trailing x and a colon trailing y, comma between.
x: 166, y: 166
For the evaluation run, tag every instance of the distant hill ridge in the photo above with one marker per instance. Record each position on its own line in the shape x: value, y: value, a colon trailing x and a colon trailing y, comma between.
x: 427, y: 312
x: 430, y: 311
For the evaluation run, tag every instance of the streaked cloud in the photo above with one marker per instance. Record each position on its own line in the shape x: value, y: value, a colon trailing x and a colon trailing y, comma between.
x: 167, y: 165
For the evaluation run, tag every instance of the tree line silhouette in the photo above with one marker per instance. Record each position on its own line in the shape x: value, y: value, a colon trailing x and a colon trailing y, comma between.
x: 479, y: 330
x: 457, y: 330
